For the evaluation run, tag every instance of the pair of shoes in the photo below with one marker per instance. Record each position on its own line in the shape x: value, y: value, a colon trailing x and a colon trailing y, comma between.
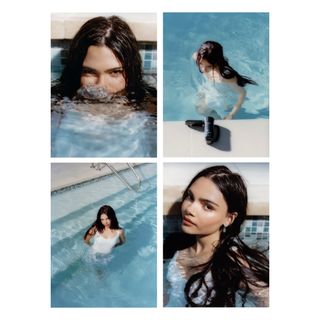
x: 211, y: 130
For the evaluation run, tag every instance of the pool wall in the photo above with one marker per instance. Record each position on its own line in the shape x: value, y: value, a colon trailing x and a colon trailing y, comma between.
x: 254, y: 232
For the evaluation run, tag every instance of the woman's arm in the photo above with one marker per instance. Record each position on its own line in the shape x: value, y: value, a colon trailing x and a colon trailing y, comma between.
x: 241, y: 91
x: 89, y: 235
x: 122, y: 237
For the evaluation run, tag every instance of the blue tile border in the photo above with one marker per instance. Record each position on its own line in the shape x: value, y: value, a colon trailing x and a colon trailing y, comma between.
x: 147, y: 50
x: 254, y: 229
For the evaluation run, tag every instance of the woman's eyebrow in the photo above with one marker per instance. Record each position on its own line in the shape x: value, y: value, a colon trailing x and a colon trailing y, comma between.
x: 88, y: 69
x: 190, y: 193
x: 209, y: 201
x: 91, y: 70
x: 114, y: 69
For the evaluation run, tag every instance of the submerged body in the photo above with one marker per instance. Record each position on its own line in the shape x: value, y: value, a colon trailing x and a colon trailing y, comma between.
x: 105, y: 232
x: 219, y: 98
x: 223, y: 93
x: 182, y: 266
x: 89, y: 124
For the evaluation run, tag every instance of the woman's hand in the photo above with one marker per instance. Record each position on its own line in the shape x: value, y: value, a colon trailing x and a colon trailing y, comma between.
x: 90, y: 234
x: 228, y: 117
x: 92, y: 231
x: 241, y: 96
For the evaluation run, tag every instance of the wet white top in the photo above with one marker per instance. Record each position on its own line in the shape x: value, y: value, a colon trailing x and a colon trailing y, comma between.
x: 177, y: 280
x: 103, y: 245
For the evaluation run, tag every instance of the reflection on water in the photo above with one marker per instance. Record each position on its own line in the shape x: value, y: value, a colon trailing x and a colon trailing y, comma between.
x: 96, y: 124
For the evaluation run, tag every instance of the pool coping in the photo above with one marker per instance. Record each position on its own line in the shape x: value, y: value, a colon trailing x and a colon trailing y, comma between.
x: 65, y: 25
x: 238, y: 138
x: 89, y: 175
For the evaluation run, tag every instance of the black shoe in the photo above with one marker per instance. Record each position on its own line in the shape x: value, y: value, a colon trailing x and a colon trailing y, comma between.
x: 211, y: 130
x: 195, y: 123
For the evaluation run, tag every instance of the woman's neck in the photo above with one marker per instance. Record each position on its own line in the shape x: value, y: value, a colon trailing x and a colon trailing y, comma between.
x: 205, y: 244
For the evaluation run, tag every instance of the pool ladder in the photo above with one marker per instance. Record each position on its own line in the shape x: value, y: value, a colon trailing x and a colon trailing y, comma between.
x: 100, y: 166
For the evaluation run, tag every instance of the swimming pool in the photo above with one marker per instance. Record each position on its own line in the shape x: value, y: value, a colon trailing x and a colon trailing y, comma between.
x: 127, y: 277
x: 102, y: 130
x: 111, y: 129
x: 245, y: 39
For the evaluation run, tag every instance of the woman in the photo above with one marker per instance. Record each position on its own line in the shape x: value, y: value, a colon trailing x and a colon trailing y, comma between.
x: 219, y: 269
x: 105, y: 232
x: 104, y: 54
x: 225, y: 97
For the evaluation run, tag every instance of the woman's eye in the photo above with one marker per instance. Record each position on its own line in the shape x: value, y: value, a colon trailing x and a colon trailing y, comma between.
x: 208, y: 207
x: 115, y: 73
x: 88, y: 74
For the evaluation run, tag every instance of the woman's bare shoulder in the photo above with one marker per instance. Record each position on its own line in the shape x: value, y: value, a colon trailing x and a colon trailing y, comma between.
x: 182, y: 256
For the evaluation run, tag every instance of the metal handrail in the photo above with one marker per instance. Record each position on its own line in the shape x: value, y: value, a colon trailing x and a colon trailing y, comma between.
x: 100, y: 166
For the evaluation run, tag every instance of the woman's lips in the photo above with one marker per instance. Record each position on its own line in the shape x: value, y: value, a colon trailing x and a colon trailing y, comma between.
x: 187, y: 222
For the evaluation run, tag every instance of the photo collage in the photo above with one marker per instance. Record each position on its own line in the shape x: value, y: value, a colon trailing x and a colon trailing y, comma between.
x: 159, y: 205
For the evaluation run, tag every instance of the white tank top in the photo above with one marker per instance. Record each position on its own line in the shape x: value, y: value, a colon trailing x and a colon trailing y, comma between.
x: 103, y: 245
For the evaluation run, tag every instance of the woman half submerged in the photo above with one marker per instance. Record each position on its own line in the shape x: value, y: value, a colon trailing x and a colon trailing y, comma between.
x: 223, y: 94
x: 105, y: 233
x: 219, y: 269
x: 104, y: 65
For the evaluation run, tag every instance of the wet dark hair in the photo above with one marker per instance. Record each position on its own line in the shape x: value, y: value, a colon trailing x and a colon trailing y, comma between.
x: 114, y: 33
x: 105, y: 209
x: 213, y: 52
x: 234, y: 266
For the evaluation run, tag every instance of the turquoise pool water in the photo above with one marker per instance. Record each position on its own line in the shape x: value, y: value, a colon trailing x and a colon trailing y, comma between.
x: 102, y: 130
x: 127, y: 276
x: 245, y: 39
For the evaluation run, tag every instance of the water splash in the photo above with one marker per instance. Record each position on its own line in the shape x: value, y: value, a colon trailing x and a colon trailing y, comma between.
x: 95, y: 123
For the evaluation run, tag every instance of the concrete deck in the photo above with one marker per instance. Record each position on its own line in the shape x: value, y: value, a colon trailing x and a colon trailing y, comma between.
x: 238, y: 138
x: 67, y: 174
x: 66, y: 25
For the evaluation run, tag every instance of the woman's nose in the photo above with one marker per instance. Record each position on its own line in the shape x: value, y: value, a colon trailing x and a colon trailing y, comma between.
x: 100, y: 81
x: 191, y: 209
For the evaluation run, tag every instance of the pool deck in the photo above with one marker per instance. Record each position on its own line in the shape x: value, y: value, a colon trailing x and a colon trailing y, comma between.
x: 67, y: 174
x: 238, y: 138
x: 258, y: 204
x: 66, y: 25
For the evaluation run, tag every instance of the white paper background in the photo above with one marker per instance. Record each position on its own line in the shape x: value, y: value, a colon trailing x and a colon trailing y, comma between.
x: 25, y: 158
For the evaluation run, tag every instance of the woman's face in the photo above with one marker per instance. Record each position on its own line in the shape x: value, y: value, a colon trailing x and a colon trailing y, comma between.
x: 105, y: 220
x: 204, y: 210
x: 102, y: 69
x: 206, y: 68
